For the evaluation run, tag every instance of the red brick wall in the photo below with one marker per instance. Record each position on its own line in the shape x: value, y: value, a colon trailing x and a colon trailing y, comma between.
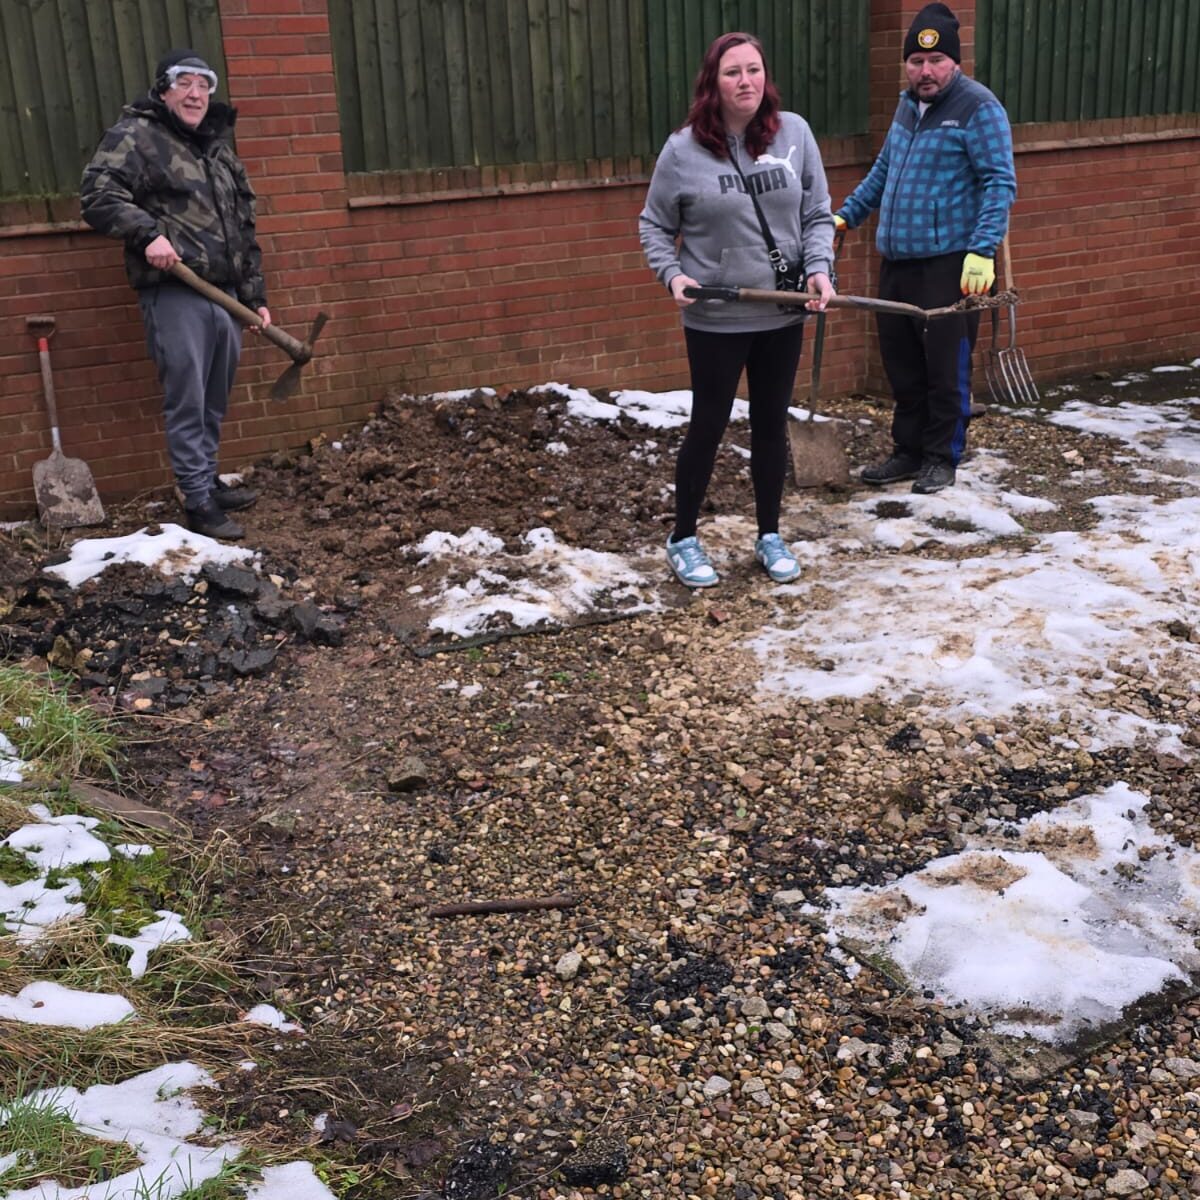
x: 516, y: 289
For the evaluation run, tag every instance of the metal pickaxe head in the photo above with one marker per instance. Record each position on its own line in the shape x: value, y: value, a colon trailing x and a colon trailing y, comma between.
x: 288, y: 383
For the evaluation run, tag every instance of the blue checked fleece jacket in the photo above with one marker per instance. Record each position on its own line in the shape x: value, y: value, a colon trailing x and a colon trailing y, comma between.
x: 943, y: 182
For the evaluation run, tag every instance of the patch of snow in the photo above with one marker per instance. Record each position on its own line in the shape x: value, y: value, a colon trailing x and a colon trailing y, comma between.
x: 1169, y: 429
x: 1051, y: 931
x: 46, y: 1003
x: 172, y: 551
x: 550, y: 582
x: 292, y: 1181
x: 150, y: 1113
x: 266, y: 1014
x: 1040, y: 630
x: 168, y: 928
x: 58, y: 841
x: 11, y: 766
x: 28, y: 909
x: 133, y: 849
x: 560, y: 449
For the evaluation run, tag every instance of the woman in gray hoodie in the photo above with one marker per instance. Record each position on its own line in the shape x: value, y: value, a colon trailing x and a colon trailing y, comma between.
x: 700, y: 225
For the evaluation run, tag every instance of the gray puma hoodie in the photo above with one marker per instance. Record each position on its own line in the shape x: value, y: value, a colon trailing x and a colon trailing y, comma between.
x: 700, y: 202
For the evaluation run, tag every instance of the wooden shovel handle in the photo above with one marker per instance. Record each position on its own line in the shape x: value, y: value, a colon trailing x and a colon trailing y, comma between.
x: 296, y: 350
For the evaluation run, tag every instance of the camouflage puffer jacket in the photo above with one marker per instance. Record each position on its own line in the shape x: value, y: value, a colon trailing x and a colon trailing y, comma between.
x: 153, y: 175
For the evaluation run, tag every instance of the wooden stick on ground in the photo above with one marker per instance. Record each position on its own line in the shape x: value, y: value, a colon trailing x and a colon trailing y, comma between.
x: 517, y: 904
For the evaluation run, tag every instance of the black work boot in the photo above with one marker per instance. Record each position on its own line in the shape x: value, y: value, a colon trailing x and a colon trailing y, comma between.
x: 901, y: 465
x: 232, y: 498
x: 211, y: 521
x: 935, y: 474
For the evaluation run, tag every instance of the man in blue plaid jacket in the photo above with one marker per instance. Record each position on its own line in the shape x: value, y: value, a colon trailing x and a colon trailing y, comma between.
x: 943, y: 184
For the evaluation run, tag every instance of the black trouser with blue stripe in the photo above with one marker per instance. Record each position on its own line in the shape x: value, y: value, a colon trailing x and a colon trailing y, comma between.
x: 928, y: 363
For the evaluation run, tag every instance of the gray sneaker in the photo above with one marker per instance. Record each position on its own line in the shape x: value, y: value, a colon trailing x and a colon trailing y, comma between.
x: 935, y: 474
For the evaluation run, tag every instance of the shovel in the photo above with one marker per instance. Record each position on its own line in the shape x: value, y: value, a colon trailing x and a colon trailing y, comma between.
x: 818, y: 451
x: 299, y: 352
x: 64, y: 488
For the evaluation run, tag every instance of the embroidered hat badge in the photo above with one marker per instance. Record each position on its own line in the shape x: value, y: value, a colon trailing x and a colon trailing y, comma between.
x: 927, y: 39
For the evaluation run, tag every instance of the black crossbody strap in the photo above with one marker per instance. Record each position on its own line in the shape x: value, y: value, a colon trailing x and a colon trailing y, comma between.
x: 773, y: 252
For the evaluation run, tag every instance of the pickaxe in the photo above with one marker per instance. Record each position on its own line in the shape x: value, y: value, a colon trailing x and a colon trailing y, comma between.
x: 299, y: 352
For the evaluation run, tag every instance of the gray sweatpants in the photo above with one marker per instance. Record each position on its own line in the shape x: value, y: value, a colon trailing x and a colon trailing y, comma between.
x: 195, y: 344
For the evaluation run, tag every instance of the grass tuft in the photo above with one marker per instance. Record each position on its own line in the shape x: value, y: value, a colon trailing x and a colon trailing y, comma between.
x: 51, y: 1147
x: 58, y: 737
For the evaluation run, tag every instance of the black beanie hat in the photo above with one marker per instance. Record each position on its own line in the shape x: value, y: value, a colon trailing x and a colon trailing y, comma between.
x: 175, y: 58
x: 934, y: 31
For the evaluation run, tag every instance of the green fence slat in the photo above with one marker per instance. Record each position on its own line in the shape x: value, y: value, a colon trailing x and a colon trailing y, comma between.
x: 580, y: 75
x: 602, y: 88
x: 345, y: 72
x: 13, y: 171
x: 384, y: 130
x: 435, y: 93
x: 541, y: 83
x: 640, y: 140
x: 479, y: 85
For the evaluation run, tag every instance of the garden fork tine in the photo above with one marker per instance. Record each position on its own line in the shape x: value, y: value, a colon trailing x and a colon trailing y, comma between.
x: 1005, y: 368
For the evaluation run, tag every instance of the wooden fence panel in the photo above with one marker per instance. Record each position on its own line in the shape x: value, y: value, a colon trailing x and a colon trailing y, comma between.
x: 544, y: 81
x: 66, y: 69
x: 1081, y: 60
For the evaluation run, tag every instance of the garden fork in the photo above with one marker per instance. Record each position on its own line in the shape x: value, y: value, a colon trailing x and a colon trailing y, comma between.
x: 1005, y: 367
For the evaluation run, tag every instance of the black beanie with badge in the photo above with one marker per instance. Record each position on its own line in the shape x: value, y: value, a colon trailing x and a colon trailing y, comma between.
x: 934, y: 31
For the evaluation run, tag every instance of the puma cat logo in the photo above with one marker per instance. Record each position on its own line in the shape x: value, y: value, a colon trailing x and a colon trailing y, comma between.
x: 786, y: 163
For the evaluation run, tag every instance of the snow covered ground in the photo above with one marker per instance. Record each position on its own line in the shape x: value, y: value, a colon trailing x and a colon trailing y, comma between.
x: 1051, y: 926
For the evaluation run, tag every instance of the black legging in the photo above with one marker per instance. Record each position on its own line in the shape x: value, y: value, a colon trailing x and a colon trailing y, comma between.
x: 770, y: 359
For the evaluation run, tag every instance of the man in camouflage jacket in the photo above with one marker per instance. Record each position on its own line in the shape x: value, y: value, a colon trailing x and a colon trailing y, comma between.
x: 166, y: 181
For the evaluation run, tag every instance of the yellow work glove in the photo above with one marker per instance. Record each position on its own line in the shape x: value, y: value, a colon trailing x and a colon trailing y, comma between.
x: 978, y: 275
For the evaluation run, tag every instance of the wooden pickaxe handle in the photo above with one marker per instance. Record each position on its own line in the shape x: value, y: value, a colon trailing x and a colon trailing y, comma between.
x: 296, y: 350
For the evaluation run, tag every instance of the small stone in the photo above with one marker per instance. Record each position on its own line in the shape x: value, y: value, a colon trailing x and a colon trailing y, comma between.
x: 716, y: 1085
x: 409, y: 774
x: 1126, y: 1182
x: 754, y: 1007
x: 568, y: 966
x: 778, y: 1031
x: 789, y: 896
x: 1182, y: 1068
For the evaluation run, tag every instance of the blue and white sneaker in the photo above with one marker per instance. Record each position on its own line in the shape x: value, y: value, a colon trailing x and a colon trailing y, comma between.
x: 771, y: 550
x: 690, y: 563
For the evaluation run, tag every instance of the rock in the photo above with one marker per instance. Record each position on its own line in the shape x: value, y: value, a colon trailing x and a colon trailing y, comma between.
x: 1080, y: 1119
x: 854, y: 1048
x: 252, y: 662
x: 1182, y: 1068
x: 716, y: 1085
x: 755, y: 1007
x: 1126, y: 1182
x: 62, y: 654
x: 789, y: 896
x: 408, y: 775
x: 568, y: 966
x: 778, y: 1031
x: 234, y: 581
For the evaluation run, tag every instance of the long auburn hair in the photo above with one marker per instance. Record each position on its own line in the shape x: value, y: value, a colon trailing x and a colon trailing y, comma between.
x: 704, y: 116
